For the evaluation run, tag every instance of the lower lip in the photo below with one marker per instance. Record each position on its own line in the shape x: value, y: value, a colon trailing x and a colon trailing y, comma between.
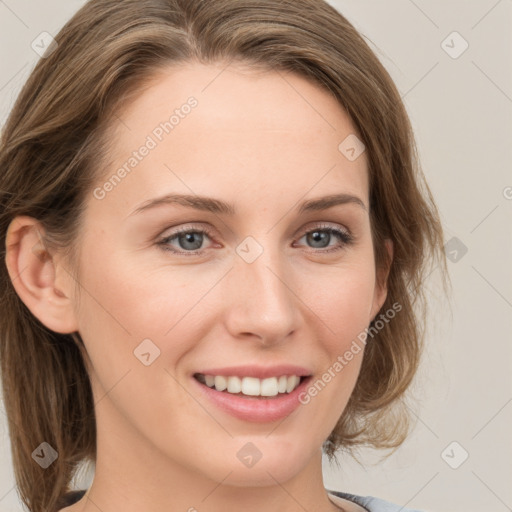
x: 258, y: 410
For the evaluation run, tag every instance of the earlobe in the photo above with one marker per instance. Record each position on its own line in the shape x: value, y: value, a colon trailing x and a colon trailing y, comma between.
x: 34, y: 273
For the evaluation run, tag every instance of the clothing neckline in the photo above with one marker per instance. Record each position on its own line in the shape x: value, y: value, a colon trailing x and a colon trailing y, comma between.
x: 334, y: 496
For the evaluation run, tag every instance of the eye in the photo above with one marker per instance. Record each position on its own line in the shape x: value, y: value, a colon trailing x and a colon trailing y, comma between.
x: 189, y: 239
x: 320, y: 237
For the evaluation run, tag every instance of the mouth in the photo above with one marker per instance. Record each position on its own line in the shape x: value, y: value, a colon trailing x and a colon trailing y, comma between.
x: 252, y: 387
x: 263, y: 396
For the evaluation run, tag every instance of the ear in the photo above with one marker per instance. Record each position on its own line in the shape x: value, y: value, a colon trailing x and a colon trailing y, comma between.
x: 43, y: 286
x: 381, y: 280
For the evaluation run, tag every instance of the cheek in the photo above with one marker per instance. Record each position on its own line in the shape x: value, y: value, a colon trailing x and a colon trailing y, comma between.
x: 126, y: 298
x: 125, y: 315
x: 124, y: 304
x: 343, y: 299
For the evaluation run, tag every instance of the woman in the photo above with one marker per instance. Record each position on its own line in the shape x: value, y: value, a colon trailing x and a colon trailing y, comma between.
x: 216, y: 234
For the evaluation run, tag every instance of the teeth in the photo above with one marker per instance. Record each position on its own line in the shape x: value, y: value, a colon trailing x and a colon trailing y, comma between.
x: 220, y: 383
x: 234, y: 385
x: 282, y: 384
x: 269, y: 387
x: 292, y: 383
x: 251, y: 386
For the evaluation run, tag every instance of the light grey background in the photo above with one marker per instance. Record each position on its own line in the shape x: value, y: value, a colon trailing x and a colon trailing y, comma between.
x: 461, y: 110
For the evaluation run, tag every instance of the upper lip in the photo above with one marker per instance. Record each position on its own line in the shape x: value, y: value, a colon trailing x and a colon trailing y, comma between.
x: 260, y: 372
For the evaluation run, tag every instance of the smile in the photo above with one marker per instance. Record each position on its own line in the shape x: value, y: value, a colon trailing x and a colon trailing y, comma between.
x: 254, y: 394
x: 251, y: 386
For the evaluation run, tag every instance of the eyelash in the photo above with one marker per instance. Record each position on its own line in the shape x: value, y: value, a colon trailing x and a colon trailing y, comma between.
x: 345, y: 237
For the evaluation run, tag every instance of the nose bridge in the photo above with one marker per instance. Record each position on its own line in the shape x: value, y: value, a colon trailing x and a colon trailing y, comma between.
x: 263, y: 302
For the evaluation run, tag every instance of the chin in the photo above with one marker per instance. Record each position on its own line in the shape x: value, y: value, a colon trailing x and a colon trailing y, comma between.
x: 261, y: 461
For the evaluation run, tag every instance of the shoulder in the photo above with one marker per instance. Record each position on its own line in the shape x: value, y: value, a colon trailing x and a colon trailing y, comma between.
x: 372, y: 504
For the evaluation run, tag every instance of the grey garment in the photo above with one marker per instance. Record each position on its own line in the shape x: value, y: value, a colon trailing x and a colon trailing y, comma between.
x: 372, y: 504
x: 368, y: 502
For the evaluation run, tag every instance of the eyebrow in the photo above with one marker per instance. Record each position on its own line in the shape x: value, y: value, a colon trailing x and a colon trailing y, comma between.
x: 217, y: 206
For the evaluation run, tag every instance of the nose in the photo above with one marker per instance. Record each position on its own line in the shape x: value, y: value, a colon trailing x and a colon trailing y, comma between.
x: 263, y: 301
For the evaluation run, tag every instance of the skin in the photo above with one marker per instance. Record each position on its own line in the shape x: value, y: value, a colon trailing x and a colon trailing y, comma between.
x: 263, y: 141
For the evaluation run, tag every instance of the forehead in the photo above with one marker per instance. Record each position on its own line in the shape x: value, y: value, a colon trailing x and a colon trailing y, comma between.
x: 231, y: 131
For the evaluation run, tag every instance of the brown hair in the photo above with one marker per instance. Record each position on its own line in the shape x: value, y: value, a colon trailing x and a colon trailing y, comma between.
x: 55, y: 144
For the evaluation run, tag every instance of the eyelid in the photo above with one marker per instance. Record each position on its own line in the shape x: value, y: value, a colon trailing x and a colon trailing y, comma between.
x: 311, y: 226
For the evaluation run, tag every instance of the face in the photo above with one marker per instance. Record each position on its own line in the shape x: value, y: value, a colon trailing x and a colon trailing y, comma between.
x: 176, y: 296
